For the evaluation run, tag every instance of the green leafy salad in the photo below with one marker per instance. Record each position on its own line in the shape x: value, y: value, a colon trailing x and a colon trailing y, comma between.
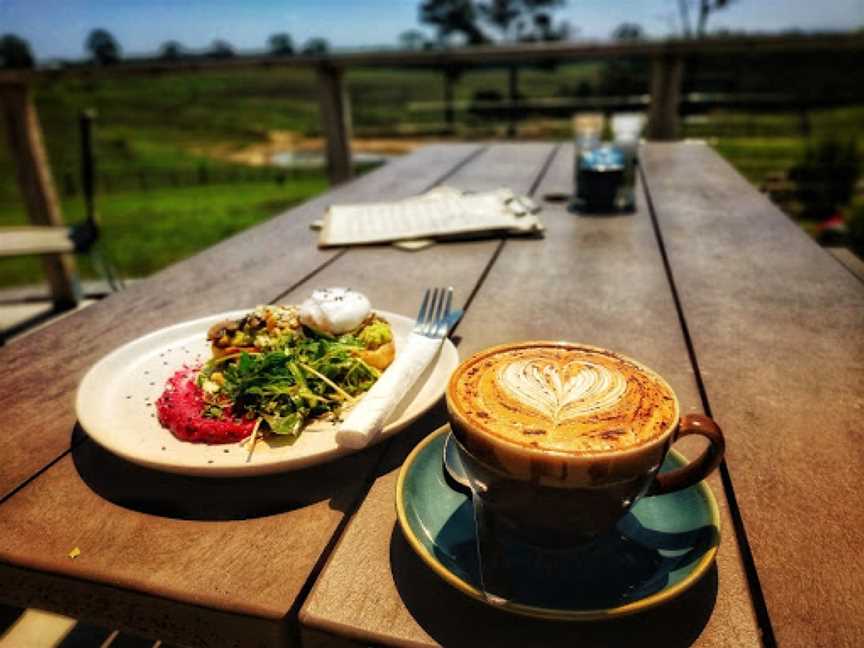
x: 298, y: 375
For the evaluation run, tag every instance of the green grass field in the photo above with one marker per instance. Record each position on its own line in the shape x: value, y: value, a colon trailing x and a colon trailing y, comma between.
x: 167, y: 120
x: 760, y: 144
x: 146, y: 231
x: 167, y: 187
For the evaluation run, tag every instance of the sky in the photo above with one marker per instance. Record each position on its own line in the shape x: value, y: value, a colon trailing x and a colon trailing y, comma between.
x: 58, y: 28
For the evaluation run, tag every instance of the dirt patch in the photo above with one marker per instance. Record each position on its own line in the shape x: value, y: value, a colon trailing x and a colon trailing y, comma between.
x: 279, y: 141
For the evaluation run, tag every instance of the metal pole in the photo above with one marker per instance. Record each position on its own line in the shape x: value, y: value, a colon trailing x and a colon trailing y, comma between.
x: 88, y: 168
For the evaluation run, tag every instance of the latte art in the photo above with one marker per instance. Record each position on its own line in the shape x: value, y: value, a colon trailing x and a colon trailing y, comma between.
x: 561, y: 393
x: 560, y: 397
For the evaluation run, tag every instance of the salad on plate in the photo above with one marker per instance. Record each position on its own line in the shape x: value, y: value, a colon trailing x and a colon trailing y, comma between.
x: 278, y: 368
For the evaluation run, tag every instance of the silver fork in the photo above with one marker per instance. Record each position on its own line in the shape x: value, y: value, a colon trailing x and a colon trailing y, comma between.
x: 367, y: 419
x: 435, y: 321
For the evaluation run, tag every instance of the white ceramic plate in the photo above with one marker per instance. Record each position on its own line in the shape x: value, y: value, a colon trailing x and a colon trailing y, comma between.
x: 116, y: 406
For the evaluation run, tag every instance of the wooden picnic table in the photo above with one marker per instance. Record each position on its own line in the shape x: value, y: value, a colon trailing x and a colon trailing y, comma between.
x: 707, y: 282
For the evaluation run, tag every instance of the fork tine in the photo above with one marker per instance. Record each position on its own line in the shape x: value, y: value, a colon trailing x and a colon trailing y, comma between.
x: 421, y: 316
x: 428, y: 306
x: 442, y: 322
x: 432, y: 320
x: 439, y: 312
x: 431, y: 316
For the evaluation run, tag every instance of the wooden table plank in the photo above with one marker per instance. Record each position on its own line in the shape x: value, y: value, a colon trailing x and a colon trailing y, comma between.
x: 43, y: 369
x: 849, y: 260
x: 200, y: 549
x: 597, y: 280
x: 37, y: 239
x: 776, y: 325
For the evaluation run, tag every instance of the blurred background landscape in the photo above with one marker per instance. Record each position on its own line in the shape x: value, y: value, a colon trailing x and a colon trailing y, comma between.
x: 187, y: 157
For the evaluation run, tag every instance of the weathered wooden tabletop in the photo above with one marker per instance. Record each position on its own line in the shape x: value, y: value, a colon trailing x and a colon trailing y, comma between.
x: 707, y: 282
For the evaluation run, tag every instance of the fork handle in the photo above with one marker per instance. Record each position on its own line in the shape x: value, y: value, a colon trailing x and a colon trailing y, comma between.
x: 365, y: 422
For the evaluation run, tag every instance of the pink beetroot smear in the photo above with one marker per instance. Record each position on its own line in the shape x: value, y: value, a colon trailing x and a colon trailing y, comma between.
x: 181, y: 409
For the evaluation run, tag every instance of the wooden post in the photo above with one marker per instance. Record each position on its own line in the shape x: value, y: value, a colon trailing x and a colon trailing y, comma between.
x: 336, y: 120
x: 664, y: 122
x: 513, y: 96
x: 37, y: 185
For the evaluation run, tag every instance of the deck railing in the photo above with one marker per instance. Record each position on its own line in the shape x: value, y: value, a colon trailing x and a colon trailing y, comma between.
x: 664, y: 123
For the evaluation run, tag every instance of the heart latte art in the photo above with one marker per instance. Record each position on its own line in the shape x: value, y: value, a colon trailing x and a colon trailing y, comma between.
x: 575, y: 389
x: 561, y: 397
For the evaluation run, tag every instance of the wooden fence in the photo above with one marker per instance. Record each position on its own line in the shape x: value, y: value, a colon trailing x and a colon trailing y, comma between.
x: 664, y: 107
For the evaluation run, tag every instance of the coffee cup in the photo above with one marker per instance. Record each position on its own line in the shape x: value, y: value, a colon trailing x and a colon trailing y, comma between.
x: 560, y: 440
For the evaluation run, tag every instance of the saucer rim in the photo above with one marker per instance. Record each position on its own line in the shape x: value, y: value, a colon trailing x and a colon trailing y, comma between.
x: 558, y: 614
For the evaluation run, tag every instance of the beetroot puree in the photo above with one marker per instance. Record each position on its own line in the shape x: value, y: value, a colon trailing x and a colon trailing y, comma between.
x: 181, y: 409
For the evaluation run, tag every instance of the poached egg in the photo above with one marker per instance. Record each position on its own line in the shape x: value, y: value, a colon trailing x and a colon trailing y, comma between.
x: 335, y: 310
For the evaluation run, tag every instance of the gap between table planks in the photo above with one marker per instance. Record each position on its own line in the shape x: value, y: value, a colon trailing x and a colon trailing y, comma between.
x: 162, y: 556
x: 592, y: 279
x: 776, y: 325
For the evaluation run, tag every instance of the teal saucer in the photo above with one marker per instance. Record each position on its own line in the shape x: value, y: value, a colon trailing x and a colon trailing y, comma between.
x: 658, y: 550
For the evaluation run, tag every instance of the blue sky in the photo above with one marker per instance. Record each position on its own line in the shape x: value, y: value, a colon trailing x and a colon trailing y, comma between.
x: 57, y: 28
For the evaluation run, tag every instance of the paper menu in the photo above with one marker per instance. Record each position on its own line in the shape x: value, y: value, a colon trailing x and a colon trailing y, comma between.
x: 443, y: 212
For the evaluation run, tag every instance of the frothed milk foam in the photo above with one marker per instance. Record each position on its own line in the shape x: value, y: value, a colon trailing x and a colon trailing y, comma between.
x: 560, y: 398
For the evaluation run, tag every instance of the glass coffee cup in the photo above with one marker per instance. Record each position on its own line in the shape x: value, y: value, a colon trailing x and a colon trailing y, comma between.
x: 559, y: 440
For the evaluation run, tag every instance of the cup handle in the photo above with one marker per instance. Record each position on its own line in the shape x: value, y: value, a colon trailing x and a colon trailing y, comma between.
x: 697, y: 470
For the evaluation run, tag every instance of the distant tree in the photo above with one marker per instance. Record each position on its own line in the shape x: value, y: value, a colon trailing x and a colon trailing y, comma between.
x: 103, y: 47
x: 628, y: 32
x: 501, y: 15
x: 171, y: 51
x: 706, y: 8
x: 545, y: 29
x: 523, y: 20
x: 220, y: 49
x: 281, y: 44
x: 450, y: 17
x: 703, y: 10
x: 316, y: 47
x: 15, y: 52
x: 413, y: 39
